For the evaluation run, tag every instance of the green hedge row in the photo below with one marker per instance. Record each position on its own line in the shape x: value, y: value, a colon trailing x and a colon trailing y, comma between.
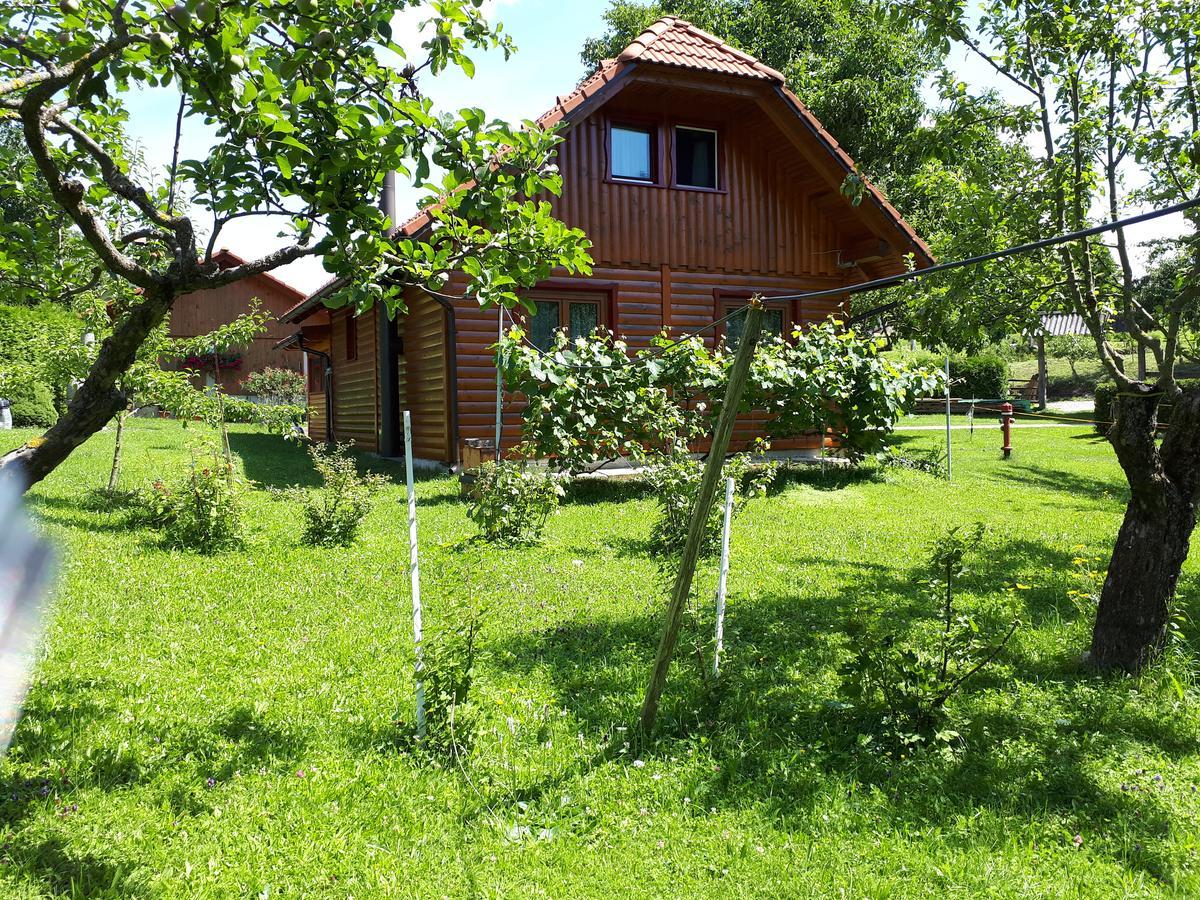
x: 1107, y: 392
x: 982, y: 376
x: 24, y: 331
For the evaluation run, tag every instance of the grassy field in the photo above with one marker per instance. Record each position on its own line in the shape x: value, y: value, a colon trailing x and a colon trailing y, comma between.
x: 235, y: 726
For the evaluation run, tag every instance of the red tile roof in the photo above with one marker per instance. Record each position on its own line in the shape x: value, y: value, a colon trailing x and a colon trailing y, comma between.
x: 671, y: 41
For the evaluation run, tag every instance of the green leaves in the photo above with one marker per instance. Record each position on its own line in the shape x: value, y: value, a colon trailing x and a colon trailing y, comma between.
x: 590, y: 400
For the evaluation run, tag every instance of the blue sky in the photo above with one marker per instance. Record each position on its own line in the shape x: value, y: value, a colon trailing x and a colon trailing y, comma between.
x: 548, y: 34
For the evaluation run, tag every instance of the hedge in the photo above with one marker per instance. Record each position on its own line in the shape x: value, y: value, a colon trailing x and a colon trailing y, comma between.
x: 1106, y: 392
x: 32, y: 404
x: 983, y: 376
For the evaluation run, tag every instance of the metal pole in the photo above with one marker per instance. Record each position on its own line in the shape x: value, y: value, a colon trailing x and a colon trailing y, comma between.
x: 414, y: 571
x: 949, y: 460
x: 499, y: 383
x: 723, y: 579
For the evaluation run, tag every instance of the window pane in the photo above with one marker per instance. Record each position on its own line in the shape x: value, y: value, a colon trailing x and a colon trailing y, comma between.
x: 631, y: 153
x: 772, y: 325
x: 583, y: 319
x: 695, y: 158
x: 543, y: 324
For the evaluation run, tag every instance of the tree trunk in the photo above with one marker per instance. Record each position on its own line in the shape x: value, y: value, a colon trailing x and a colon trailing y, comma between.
x: 97, y: 400
x: 114, y: 475
x: 1131, y: 623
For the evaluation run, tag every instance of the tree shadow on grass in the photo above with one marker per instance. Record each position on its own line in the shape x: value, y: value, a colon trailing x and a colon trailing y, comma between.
x: 72, y: 512
x: 272, y: 461
x: 1097, y: 490
x: 67, y: 872
x: 777, y: 727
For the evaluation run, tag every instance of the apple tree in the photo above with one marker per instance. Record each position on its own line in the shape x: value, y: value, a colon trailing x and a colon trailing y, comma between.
x: 310, y: 103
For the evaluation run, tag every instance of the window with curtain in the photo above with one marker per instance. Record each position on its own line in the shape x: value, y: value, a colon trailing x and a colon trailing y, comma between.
x: 695, y: 157
x: 578, y: 318
x: 632, y: 152
x: 773, y: 323
x: 351, y: 336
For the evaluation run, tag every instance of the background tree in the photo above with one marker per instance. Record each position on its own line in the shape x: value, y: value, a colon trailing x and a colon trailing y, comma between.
x: 1112, y: 88
x: 42, y: 256
x: 308, y: 118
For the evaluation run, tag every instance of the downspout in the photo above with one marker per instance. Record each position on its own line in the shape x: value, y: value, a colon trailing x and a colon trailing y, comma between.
x: 452, y: 376
x: 328, y: 384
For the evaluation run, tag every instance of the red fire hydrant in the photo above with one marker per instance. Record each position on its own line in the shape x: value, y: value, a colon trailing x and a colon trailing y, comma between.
x: 1006, y: 420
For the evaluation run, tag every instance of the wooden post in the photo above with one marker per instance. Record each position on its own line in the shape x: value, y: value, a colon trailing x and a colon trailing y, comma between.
x: 723, y: 579
x: 949, y: 461
x: 1042, y: 374
x: 708, y: 488
x: 499, y: 383
x: 414, y: 571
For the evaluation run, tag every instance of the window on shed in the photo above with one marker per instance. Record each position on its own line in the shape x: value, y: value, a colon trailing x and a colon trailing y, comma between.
x: 632, y: 152
x: 351, y: 336
x: 578, y: 318
x: 773, y: 323
x: 695, y: 157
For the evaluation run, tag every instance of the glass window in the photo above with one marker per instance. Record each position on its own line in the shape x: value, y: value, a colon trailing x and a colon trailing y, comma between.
x: 351, y: 337
x: 632, y: 153
x: 579, y: 318
x: 772, y: 324
x: 582, y: 319
x: 696, y: 157
x: 543, y: 324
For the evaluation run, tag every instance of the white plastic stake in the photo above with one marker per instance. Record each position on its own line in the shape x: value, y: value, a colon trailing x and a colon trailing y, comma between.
x: 414, y: 570
x: 723, y: 579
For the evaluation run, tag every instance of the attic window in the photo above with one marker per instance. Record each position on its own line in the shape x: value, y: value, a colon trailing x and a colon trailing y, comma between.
x: 632, y: 149
x: 696, y: 157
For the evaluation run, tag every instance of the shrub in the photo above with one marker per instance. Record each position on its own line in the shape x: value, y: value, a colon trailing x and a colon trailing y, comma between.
x: 202, y: 512
x: 449, y: 657
x: 333, y: 514
x: 511, y: 501
x: 1106, y: 392
x: 32, y: 402
x: 279, y: 418
x: 985, y: 375
x: 277, y: 386
x: 905, y: 681
x: 676, y: 487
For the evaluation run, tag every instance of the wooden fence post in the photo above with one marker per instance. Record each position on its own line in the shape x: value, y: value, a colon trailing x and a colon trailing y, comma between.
x: 713, y: 467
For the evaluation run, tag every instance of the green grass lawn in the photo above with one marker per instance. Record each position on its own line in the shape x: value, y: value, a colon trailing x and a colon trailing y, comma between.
x: 235, y: 726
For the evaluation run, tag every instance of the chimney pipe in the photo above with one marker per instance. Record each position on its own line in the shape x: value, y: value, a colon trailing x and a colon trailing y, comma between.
x: 387, y: 199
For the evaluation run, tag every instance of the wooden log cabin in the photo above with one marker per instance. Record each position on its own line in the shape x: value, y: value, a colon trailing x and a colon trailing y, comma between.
x: 200, y: 312
x: 700, y: 179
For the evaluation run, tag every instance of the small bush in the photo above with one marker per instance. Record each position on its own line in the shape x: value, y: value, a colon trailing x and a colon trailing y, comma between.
x: 983, y: 375
x: 333, y: 513
x: 32, y: 402
x: 905, y: 681
x: 449, y: 658
x: 276, y: 386
x: 279, y: 418
x: 203, y: 512
x: 676, y: 487
x: 511, y: 501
